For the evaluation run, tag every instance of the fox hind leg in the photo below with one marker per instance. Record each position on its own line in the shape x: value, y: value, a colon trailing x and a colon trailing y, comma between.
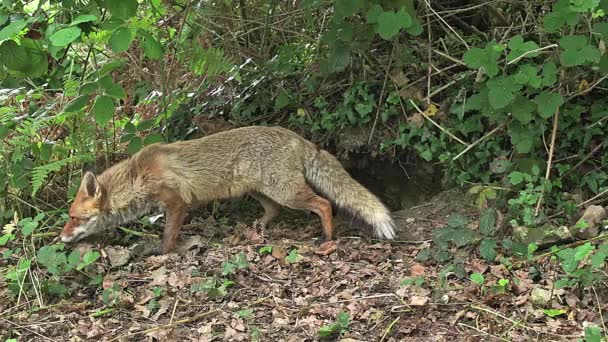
x: 297, y: 194
x: 271, y: 208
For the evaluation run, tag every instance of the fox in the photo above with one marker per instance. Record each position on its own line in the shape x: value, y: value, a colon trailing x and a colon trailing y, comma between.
x: 274, y: 165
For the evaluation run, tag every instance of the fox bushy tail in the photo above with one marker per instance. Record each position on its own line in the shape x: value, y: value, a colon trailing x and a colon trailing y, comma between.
x: 326, y: 173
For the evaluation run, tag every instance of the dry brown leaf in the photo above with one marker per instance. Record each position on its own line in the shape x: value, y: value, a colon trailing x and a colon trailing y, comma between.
x: 417, y: 270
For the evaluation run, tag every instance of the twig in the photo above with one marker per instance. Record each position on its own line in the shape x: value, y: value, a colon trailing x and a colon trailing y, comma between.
x: 136, y: 233
x: 388, y: 70
x: 595, y: 149
x: 174, y: 307
x: 429, y: 71
x: 570, y: 245
x: 25, y: 328
x: 531, y: 52
x: 520, y: 323
x: 481, y: 331
x: 592, y: 198
x: 167, y: 326
x: 479, y: 140
x: 455, y: 60
x: 390, y: 326
x: 581, y: 204
x: 599, y: 309
x: 593, y: 85
x: 550, y: 160
x: 449, y: 84
x: 437, y: 125
x: 448, y: 25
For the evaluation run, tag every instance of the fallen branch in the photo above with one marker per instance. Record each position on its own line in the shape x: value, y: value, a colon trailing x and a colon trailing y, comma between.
x: 530, y: 52
x: 550, y: 160
x: 167, y: 326
x: 388, y: 329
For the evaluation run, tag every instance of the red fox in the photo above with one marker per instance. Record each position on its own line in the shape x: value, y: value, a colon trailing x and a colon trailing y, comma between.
x: 273, y: 164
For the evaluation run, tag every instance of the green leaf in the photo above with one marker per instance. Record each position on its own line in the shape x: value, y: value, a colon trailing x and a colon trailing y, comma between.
x: 562, y: 15
x: 74, y: 258
x: 121, y: 40
x: 293, y: 257
x: 89, y: 88
x: 265, y: 249
x: 462, y: 237
x: 65, y: 36
x: 487, y: 221
x: 577, y: 51
x: 519, y: 48
x: 502, y: 91
x: 76, y: 104
x: 241, y: 261
x: 522, y: 109
x: 12, y: 29
x: 581, y: 252
x: 548, y: 103
x: 83, y: 18
x: 554, y: 312
x: 373, y: 13
x: 549, y: 74
x: 583, y: 6
x: 521, y: 137
x: 228, y: 268
x: 390, y: 23
x: 116, y: 91
x: 528, y: 74
x: 152, y: 48
x: 593, y: 334
x: 134, y: 145
x: 346, y: 8
x: 457, y: 220
x: 602, y: 28
x: 153, y: 139
x: 477, y: 278
x: 28, y: 227
x: 484, y: 58
x: 103, y: 110
x: 121, y: 9
x: 282, y: 100
x: 343, y: 319
x: 597, y: 259
x: 14, y: 57
x: 88, y: 258
x: 245, y: 313
x: 487, y: 249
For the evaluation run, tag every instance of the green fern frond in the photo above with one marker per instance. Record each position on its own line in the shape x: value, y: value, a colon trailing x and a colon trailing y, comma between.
x: 211, y: 62
x: 40, y: 173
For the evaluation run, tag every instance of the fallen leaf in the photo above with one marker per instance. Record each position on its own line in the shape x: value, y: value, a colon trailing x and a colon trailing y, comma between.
x: 327, y: 248
x: 417, y: 270
x: 118, y: 255
x: 418, y: 301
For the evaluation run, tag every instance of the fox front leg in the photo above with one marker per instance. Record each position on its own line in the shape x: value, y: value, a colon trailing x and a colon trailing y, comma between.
x: 176, y: 210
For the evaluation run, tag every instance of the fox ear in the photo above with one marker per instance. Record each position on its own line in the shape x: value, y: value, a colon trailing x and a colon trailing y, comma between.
x: 90, y: 185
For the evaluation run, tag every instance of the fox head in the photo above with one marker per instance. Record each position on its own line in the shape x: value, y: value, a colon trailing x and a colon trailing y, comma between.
x: 86, y: 210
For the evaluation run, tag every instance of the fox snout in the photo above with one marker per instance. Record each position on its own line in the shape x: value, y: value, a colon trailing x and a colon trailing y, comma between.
x: 67, y: 234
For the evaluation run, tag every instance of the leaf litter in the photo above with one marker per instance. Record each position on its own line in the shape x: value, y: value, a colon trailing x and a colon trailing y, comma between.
x: 258, y: 285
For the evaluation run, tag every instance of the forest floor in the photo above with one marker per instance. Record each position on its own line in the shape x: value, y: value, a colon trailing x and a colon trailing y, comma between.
x: 209, y: 292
